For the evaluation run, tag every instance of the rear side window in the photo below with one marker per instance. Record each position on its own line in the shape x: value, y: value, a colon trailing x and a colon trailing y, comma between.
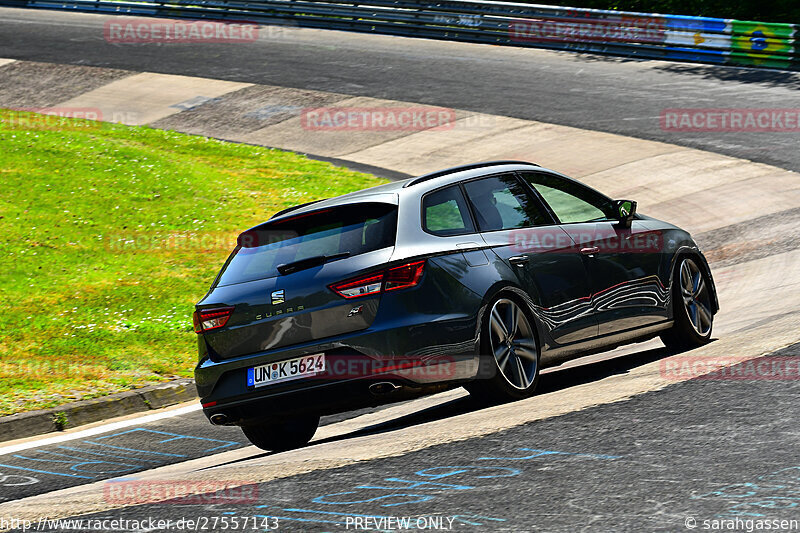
x: 353, y: 229
x: 502, y: 202
x: 445, y: 212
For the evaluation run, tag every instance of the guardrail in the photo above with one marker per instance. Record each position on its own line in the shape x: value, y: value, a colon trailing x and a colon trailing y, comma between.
x: 628, y: 34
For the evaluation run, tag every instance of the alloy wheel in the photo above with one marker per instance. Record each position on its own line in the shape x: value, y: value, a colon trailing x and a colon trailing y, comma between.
x: 696, y: 297
x: 513, y: 344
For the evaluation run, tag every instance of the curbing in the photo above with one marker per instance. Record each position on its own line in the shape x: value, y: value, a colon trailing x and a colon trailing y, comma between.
x: 76, y: 414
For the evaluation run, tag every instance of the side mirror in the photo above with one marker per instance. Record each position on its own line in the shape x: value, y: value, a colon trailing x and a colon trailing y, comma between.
x: 625, y: 211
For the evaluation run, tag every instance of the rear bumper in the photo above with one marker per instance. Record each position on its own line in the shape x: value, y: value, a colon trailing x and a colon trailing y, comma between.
x: 322, y: 399
x: 420, y: 357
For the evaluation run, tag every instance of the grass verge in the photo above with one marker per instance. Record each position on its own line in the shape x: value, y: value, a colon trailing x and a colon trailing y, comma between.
x: 109, y: 234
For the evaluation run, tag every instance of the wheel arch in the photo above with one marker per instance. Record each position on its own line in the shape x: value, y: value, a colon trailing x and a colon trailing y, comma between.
x: 694, y: 253
x: 501, y: 288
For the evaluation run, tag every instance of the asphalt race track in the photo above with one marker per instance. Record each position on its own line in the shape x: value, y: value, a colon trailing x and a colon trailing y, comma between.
x: 591, y: 92
x: 179, y: 435
x: 607, y: 444
x: 698, y: 450
x: 694, y: 451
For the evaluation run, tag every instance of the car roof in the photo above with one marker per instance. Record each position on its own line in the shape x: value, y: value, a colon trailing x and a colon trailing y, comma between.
x: 391, y: 192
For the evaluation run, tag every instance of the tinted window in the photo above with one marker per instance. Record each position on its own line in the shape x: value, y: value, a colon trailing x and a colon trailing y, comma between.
x: 355, y: 229
x: 570, y: 201
x: 445, y: 212
x: 501, y: 202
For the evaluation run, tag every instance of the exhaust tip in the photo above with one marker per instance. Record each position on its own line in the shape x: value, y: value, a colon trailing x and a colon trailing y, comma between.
x: 219, y: 419
x: 382, y: 388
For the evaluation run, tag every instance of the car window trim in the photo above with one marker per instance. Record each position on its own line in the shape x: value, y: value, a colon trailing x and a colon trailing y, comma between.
x: 532, y: 190
x: 545, y: 209
x: 472, y: 220
x: 550, y: 209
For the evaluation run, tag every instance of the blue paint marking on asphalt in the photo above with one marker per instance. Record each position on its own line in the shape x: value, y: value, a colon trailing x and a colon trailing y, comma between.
x: 436, y: 473
x: 772, y: 491
x: 423, y: 498
x: 290, y: 518
x: 44, y: 471
x: 463, y: 469
x: 290, y: 510
x: 98, y: 457
x: 174, y: 437
x: 463, y: 519
x: 104, y: 454
x: 85, y: 459
x: 416, y: 485
x: 540, y: 453
x: 80, y: 462
x: 133, y: 449
x: 317, y: 520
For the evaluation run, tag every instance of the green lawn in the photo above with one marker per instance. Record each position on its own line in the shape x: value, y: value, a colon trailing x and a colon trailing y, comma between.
x: 109, y: 234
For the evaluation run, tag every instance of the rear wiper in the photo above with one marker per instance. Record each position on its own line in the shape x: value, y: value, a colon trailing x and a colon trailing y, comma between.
x: 309, y: 262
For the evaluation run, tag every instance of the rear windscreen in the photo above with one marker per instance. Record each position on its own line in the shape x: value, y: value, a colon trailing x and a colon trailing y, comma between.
x: 353, y: 229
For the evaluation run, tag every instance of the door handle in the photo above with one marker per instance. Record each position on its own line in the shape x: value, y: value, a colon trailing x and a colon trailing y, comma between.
x: 518, y: 260
x: 590, y: 250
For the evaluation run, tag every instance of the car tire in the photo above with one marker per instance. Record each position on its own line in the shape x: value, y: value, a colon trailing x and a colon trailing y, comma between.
x: 281, y: 435
x: 691, y: 307
x: 509, y: 362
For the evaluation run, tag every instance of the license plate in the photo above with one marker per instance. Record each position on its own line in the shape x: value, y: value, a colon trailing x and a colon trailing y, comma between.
x: 299, y: 367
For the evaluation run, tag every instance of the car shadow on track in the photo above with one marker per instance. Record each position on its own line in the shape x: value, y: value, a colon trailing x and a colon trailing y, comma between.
x: 558, y: 379
x: 554, y: 380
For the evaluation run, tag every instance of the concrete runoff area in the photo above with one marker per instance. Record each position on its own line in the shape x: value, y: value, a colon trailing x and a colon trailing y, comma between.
x: 705, y: 190
x: 626, y: 96
x: 29, y: 84
x: 587, y: 420
x: 146, y: 97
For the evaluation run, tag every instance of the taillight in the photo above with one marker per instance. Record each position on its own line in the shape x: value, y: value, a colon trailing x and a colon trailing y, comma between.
x: 404, y: 276
x: 359, y: 287
x: 399, y: 277
x: 208, y: 319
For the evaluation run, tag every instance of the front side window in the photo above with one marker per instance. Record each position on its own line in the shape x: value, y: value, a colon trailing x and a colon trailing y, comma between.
x: 570, y: 201
x: 501, y: 202
x: 445, y: 212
